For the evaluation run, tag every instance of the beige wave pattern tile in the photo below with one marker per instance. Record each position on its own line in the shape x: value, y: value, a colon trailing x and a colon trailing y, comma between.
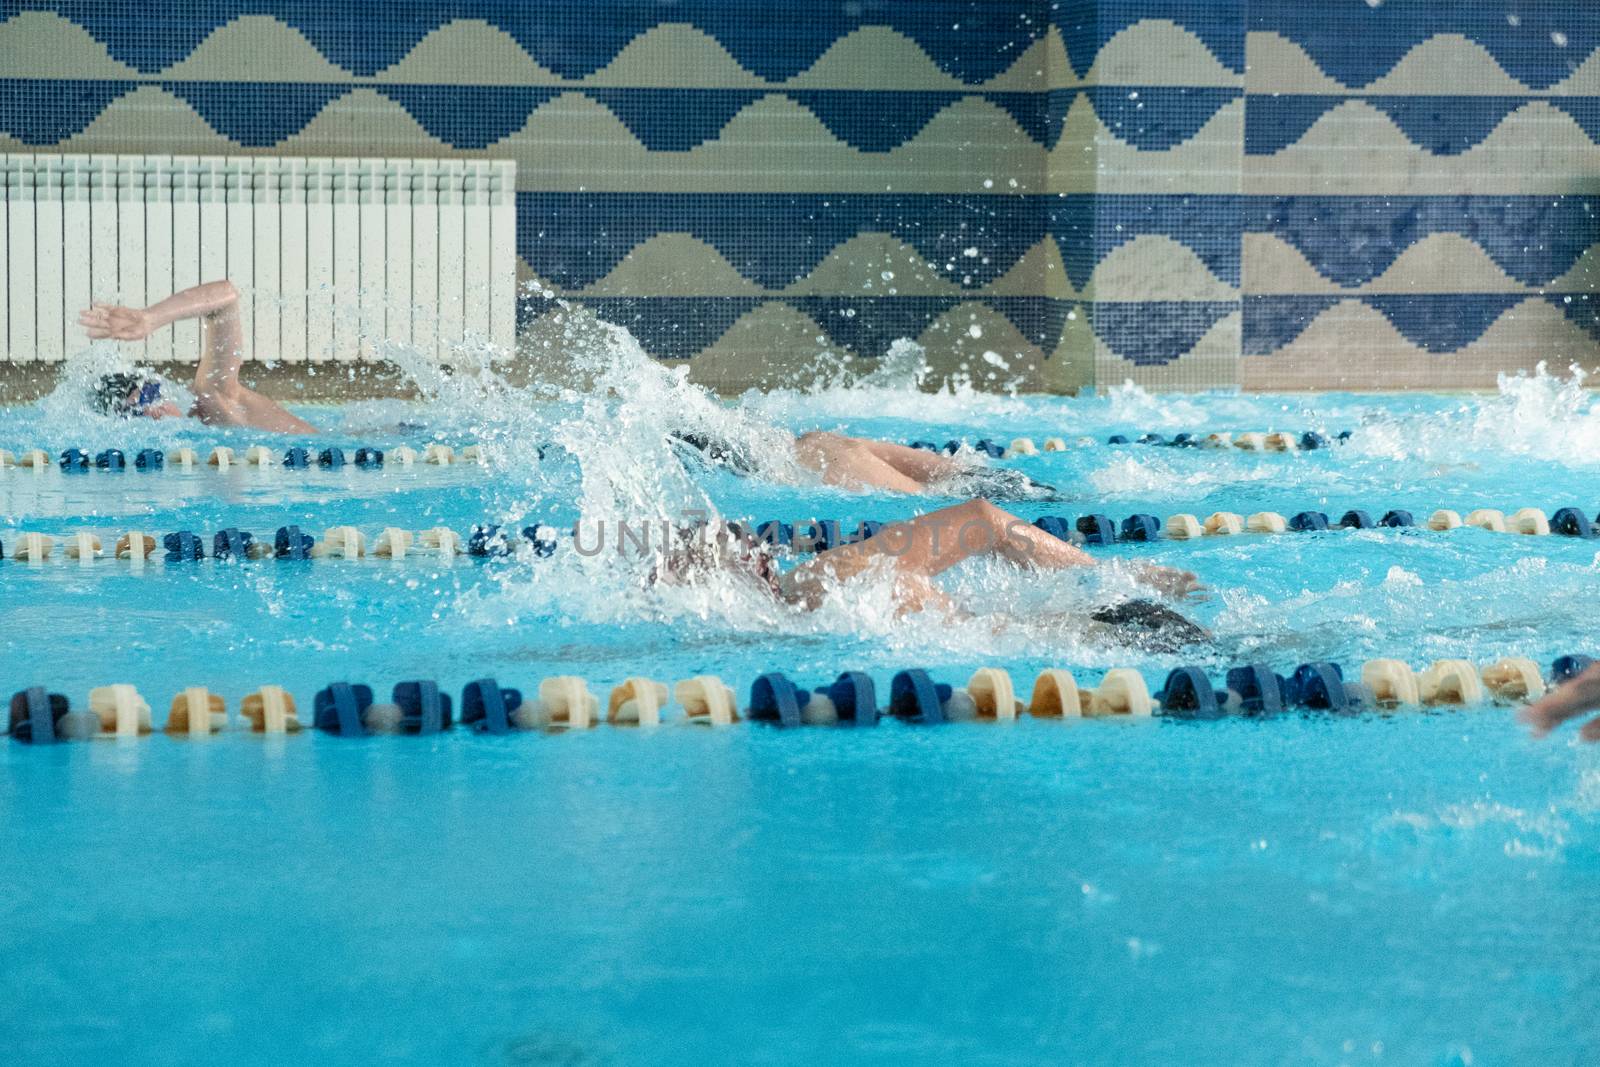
x: 1159, y: 52
x: 1444, y: 263
x: 673, y: 264
x: 857, y: 268
x: 468, y: 52
x: 1582, y: 277
x: 675, y: 54
x: 1213, y: 363
x: 1040, y: 272
x: 42, y: 44
x: 875, y: 57
x: 575, y: 144
x: 998, y: 358
x: 1043, y: 65
x: 771, y: 344
x: 1153, y: 267
x: 1438, y: 263
x: 1354, y: 346
x: 528, y: 280
x: 1272, y: 265
x: 1089, y: 157
x: 1070, y: 366
x: 1355, y: 149
x: 1275, y: 64
x: 1448, y: 64
x: 256, y: 48
x: 147, y: 120
x: 1585, y: 81
x: 774, y: 145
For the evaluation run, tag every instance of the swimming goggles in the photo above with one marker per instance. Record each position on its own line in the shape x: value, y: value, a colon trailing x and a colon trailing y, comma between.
x: 149, y: 393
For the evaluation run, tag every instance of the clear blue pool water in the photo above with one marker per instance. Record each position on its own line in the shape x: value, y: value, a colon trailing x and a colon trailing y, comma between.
x: 1409, y: 888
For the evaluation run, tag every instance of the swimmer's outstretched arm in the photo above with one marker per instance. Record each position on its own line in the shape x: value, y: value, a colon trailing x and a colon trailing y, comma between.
x: 220, y: 399
x: 933, y: 543
x: 1573, y: 698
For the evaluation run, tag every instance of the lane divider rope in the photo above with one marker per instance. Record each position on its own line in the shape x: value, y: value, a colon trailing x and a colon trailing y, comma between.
x: 291, y: 542
x: 38, y: 716
x: 1252, y: 441
x: 298, y: 457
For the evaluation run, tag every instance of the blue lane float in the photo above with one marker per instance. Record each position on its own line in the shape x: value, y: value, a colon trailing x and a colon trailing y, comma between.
x: 1570, y: 522
x: 1187, y: 694
x: 1320, y: 687
x: 423, y: 708
x: 232, y: 543
x: 774, y: 699
x: 1140, y: 528
x: 338, y: 709
x: 331, y: 458
x: 111, y: 459
x: 1259, y: 690
x: 1096, y: 529
x: 855, y: 698
x: 183, y: 546
x: 34, y: 714
x: 487, y: 707
x: 1566, y: 667
x: 150, y: 459
x: 74, y: 460
x: 290, y: 543
x: 369, y: 458
x: 915, y: 697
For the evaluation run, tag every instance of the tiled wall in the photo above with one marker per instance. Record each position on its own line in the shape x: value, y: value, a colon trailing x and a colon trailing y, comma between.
x: 1420, y: 180
x: 1189, y: 193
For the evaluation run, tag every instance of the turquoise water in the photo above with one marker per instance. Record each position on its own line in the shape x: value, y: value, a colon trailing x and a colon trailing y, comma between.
x: 1410, y: 888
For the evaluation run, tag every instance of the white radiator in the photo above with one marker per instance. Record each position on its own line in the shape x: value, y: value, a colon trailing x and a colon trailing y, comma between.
x: 333, y: 256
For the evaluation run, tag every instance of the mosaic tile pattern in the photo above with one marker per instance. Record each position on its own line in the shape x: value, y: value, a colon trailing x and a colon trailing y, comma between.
x: 1187, y: 193
x: 1420, y: 191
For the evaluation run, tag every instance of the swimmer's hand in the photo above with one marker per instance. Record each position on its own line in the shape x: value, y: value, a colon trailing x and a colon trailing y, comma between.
x: 104, y: 321
x: 1170, y: 581
x: 1569, y: 700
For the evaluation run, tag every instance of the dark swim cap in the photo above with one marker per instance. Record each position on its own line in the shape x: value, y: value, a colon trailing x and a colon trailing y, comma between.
x: 1150, y: 627
x: 110, y: 395
x: 721, y: 453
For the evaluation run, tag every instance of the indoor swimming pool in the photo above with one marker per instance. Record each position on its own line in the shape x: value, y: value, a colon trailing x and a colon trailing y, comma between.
x: 1404, y: 886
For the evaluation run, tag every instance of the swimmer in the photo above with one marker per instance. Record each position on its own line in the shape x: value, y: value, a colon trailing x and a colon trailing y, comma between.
x: 1577, y: 696
x: 862, y: 463
x: 219, y: 398
x: 922, y: 548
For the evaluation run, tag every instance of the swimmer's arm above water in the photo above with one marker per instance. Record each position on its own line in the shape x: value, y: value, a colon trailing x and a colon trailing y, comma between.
x: 1574, y: 698
x: 931, y: 544
x: 135, y: 324
x: 220, y: 398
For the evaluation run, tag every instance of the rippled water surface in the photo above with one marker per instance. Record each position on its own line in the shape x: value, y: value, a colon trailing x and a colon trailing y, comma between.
x: 1412, y: 888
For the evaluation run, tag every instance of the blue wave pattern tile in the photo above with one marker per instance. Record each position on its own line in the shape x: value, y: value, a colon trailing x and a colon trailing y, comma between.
x: 663, y: 119
x: 1537, y: 42
x: 973, y: 40
x: 1441, y: 125
x: 775, y: 240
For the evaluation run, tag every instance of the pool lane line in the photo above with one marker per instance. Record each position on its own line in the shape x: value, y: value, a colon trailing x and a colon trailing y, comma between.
x: 420, y: 707
x: 291, y: 542
x: 1251, y: 441
x: 149, y: 460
